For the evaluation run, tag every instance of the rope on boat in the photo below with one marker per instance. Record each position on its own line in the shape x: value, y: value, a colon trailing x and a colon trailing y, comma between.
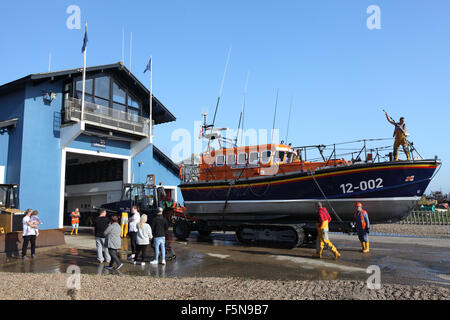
x: 325, y: 197
x: 259, y: 195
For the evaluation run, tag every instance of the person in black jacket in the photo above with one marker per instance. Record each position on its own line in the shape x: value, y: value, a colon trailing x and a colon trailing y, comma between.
x: 100, y: 225
x: 159, y: 227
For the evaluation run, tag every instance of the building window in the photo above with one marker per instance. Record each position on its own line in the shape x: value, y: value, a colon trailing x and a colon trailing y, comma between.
x: 102, y: 90
x: 88, y: 86
x: 102, y: 87
x: 119, y: 94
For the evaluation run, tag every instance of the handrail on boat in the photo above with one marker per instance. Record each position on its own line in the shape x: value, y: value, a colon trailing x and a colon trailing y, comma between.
x: 372, y: 154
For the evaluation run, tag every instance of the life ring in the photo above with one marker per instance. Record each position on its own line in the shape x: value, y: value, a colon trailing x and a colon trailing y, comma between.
x: 181, y: 172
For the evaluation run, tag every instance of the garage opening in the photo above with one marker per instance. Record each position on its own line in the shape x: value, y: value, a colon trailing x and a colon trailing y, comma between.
x: 91, y: 181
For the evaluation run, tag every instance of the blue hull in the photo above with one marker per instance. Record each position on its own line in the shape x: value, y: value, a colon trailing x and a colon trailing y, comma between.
x: 389, y: 191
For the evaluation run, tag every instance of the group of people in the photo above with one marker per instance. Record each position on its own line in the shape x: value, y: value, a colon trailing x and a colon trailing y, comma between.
x: 362, y: 229
x: 30, y: 230
x: 109, y: 233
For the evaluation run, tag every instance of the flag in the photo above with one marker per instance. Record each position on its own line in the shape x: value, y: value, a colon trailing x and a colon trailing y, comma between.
x: 409, y: 179
x: 149, y: 66
x: 85, y: 40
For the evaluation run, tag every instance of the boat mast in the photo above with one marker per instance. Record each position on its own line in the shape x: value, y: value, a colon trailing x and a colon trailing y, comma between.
x: 220, y: 94
x: 289, y: 120
x: 274, y: 117
x: 241, y: 117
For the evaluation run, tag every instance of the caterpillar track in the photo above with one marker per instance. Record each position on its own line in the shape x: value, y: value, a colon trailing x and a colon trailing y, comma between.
x: 271, y: 235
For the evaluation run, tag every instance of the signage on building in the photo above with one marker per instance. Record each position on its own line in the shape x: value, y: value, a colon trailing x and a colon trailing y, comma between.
x: 101, y: 143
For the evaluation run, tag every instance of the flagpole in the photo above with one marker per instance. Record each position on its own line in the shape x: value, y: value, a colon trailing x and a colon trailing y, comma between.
x: 84, y: 78
x: 151, y: 101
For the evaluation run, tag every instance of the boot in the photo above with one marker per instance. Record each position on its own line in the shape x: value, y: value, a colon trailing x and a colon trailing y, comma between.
x: 336, y: 253
x: 76, y: 231
x: 363, y: 246
x: 318, y: 254
x: 366, y: 248
x: 72, y: 232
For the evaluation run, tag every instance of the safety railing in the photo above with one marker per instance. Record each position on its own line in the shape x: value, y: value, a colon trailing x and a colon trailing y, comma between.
x: 106, y: 117
x: 436, y: 217
x: 366, y: 150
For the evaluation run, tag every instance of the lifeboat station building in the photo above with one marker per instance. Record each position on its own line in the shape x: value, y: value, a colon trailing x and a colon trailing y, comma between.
x: 62, y: 158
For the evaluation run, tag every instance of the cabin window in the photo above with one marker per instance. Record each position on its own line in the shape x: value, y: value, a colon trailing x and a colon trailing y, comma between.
x: 290, y: 157
x: 242, y: 158
x: 265, y: 156
x: 231, y: 159
x: 254, y: 157
x: 279, y: 156
x: 220, y: 160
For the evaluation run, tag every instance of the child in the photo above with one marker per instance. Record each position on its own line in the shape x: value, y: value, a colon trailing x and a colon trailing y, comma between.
x: 34, y: 219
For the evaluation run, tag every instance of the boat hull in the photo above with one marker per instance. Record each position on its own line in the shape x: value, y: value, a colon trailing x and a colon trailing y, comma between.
x: 388, y: 191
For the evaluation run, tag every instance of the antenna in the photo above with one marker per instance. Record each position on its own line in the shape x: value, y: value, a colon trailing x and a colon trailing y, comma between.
x: 220, y: 92
x: 289, y: 120
x: 241, y: 117
x: 49, y: 61
x: 221, y: 86
x: 123, y: 45
x: 274, y: 116
x: 131, y: 48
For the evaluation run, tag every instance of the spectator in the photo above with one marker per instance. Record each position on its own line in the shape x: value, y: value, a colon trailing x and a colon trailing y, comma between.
x: 159, y: 228
x: 100, y: 225
x: 144, y: 235
x: 28, y: 235
x: 133, y: 222
x: 114, y: 242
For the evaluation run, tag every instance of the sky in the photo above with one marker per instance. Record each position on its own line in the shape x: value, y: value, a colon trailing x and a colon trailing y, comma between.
x: 320, y: 54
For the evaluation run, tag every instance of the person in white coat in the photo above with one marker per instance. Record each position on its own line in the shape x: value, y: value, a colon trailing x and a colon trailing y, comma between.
x: 144, y: 235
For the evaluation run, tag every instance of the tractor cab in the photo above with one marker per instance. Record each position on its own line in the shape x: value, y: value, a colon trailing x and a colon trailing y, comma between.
x: 10, y: 215
x: 146, y: 196
x: 8, y: 197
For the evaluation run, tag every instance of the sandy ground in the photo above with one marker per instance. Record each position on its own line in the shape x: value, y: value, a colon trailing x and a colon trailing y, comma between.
x: 419, y: 230
x: 115, y: 287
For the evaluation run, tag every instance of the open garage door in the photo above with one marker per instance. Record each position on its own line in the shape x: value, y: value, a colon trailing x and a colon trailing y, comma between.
x: 90, y: 182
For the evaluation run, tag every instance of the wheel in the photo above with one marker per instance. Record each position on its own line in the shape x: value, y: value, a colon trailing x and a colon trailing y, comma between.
x: 182, y: 230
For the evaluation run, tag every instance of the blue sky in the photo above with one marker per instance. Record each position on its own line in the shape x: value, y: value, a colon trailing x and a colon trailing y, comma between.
x: 339, y: 73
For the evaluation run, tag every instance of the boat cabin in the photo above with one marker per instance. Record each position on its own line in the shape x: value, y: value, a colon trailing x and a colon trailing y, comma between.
x: 253, y: 161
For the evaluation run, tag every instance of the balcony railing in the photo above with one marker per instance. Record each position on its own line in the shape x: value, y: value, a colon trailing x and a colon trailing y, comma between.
x: 106, y: 117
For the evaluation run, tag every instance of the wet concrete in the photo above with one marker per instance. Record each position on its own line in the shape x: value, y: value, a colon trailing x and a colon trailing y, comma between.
x: 403, y: 261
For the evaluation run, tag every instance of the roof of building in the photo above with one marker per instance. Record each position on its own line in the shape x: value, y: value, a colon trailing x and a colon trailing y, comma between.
x: 160, y: 113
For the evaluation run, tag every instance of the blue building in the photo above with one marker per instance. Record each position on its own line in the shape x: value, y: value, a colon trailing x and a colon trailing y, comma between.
x: 63, y: 157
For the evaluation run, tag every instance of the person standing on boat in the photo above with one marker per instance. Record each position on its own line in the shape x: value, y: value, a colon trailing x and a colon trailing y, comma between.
x: 322, y: 233
x: 400, y: 134
x: 362, y: 227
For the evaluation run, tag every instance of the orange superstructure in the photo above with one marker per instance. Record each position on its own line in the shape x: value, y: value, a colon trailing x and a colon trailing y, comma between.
x: 254, y: 161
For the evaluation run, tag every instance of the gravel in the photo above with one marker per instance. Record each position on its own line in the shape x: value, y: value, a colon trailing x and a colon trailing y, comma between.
x: 16, y: 286
x: 440, y: 231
